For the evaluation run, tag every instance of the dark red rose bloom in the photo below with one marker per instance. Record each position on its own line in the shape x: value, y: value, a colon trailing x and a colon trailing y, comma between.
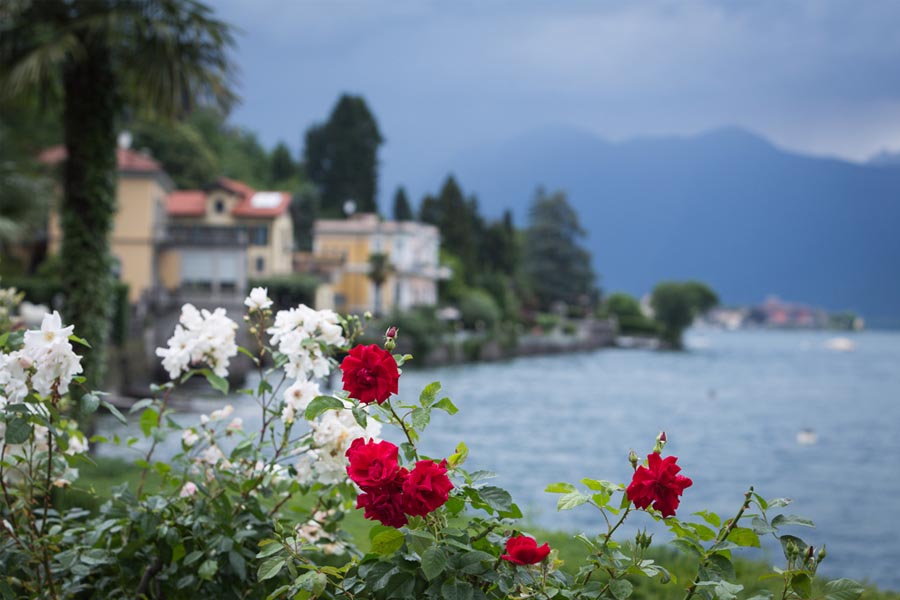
x: 658, y: 483
x: 370, y: 374
x: 427, y: 488
x: 372, y: 464
x: 385, y: 504
x: 523, y: 550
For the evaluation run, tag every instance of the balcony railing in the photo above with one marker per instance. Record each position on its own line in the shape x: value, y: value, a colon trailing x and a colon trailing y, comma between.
x: 204, y: 235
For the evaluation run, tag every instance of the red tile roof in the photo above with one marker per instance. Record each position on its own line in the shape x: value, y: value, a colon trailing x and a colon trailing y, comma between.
x: 186, y: 203
x: 236, y: 187
x: 251, y: 207
x: 126, y: 159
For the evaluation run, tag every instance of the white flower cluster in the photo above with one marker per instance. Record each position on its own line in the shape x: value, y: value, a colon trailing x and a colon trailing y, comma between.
x: 200, y: 337
x: 258, y: 299
x: 299, y: 333
x: 46, y: 360
x: 297, y: 398
x: 332, y: 435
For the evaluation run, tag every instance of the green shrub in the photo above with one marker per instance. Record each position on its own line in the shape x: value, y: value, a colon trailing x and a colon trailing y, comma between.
x: 477, y: 306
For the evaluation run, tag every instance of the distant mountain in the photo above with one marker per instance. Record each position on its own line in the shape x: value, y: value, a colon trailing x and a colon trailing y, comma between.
x: 726, y: 207
x: 885, y: 158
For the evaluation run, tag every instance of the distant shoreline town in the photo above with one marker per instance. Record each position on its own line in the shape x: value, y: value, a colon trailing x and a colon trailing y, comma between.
x: 774, y: 313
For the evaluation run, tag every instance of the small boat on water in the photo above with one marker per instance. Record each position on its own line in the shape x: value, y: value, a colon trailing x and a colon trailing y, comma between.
x: 807, y: 437
x: 840, y: 344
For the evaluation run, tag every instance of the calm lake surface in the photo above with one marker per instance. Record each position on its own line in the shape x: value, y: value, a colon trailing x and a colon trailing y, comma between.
x: 732, y: 407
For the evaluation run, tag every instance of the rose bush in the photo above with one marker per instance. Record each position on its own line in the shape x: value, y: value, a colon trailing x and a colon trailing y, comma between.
x: 260, y: 513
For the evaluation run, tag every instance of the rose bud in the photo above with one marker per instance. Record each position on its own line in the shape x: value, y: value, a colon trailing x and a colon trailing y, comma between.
x: 633, y: 459
x: 391, y: 332
x: 822, y: 553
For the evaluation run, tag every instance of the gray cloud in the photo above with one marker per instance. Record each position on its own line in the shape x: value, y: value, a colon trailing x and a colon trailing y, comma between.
x: 813, y: 76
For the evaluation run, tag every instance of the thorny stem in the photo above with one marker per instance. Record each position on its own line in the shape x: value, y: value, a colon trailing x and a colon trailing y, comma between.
x: 723, y: 535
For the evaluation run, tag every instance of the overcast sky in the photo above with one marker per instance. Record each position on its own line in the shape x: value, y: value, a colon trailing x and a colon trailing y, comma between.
x: 818, y: 76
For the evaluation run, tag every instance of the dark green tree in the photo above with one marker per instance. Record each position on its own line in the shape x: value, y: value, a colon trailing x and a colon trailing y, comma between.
x: 459, y: 223
x: 182, y: 151
x: 341, y: 157
x: 402, y: 209
x: 104, y: 56
x: 676, y: 305
x: 557, y: 266
x: 283, y: 165
x: 304, y: 210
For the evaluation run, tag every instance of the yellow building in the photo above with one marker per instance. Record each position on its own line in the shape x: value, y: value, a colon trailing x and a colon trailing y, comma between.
x: 167, y: 243
x: 263, y: 219
x: 412, y: 255
x: 139, y: 227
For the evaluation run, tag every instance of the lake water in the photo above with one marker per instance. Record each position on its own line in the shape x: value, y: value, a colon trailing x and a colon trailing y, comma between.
x: 732, y: 407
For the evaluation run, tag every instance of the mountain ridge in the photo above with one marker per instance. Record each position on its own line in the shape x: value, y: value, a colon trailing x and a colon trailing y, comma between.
x: 725, y: 206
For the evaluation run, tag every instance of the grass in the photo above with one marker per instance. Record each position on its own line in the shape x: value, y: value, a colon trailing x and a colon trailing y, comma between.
x: 107, y: 473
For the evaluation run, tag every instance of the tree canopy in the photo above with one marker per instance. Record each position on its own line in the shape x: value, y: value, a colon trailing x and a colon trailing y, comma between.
x: 558, y: 267
x: 402, y: 209
x: 676, y: 305
x: 341, y: 157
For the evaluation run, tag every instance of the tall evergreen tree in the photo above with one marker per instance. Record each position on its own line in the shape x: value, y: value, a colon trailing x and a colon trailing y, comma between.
x: 341, y: 157
x: 402, y: 209
x: 558, y: 267
x: 283, y: 166
x: 304, y: 209
x: 104, y: 56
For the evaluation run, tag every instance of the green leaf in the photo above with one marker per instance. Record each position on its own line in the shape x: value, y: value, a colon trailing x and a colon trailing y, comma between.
x: 268, y: 548
x: 779, y: 502
x: 446, y: 405
x: 18, y: 430
x: 457, y: 590
x: 843, y: 589
x: 571, y: 500
x: 420, y: 418
x: 760, y: 526
x: 802, y: 585
x: 621, y: 588
x: 149, y: 420
x: 495, y: 497
x: 238, y: 564
x: 782, y: 520
x: 388, y: 542
x: 208, y: 569
x: 140, y: 405
x: 710, y: 517
x: 722, y: 567
x: 114, y: 412
x: 89, y: 404
x: 434, y: 561
x: 360, y: 415
x: 270, y: 568
x: 426, y: 398
x: 78, y: 340
x: 218, y: 383
x: 743, y: 536
x: 320, y: 404
x: 560, y: 488
x: 459, y: 456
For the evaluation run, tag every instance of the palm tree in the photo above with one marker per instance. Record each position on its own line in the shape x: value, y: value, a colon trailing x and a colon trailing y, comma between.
x: 379, y: 269
x: 101, y: 58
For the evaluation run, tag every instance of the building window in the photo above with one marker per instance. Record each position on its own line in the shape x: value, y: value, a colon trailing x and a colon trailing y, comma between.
x: 260, y: 264
x: 340, y: 300
x: 220, y: 207
x: 259, y: 235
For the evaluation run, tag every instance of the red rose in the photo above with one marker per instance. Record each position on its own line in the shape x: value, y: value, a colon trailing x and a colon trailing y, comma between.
x: 523, y: 550
x: 370, y: 374
x: 385, y: 504
x: 658, y: 483
x: 372, y: 464
x: 427, y: 488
